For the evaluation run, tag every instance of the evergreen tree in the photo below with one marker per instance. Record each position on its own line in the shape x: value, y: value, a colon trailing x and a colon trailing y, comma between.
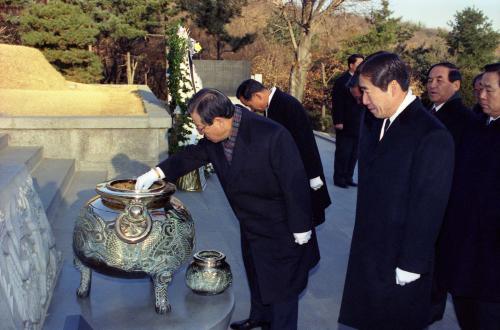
x: 63, y: 32
x: 123, y: 25
x: 472, y: 41
x: 387, y: 33
x: 128, y: 19
x: 213, y: 15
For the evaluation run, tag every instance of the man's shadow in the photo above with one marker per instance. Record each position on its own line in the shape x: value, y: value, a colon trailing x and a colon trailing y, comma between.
x: 126, y: 168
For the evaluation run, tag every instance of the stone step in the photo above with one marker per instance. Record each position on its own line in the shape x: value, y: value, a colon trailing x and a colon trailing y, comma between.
x: 64, y: 301
x: 29, y: 156
x: 4, y: 140
x: 51, y: 178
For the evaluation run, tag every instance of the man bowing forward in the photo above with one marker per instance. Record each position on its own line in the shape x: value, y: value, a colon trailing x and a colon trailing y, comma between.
x: 405, y: 173
x: 260, y: 170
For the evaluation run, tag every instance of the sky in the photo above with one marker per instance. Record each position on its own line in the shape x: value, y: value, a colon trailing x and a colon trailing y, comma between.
x: 437, y: 13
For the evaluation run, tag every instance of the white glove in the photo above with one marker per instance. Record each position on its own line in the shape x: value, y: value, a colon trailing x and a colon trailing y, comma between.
x: 403, y: 277
x: 302, y: 238
x: 147, y: 179
x: 316, y: 183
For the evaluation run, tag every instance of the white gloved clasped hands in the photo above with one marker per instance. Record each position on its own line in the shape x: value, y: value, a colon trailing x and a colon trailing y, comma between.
x: 147, y: 179
x: 302, y: 238
x: 316, y: 183
x: 403, y: 277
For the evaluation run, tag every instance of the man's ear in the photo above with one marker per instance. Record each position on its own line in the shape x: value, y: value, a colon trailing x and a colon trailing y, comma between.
x: 258, y: 95
x: 394, y: 86
x: 456, y: 85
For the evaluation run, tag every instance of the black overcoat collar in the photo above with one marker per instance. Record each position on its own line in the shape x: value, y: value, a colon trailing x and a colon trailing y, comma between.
x: 396, y: 132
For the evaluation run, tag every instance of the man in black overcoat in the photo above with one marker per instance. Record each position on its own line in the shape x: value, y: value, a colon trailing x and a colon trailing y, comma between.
x: 405, y: 173
x: 443, y: 83
x: 287, y: 110
x: 260, y: 170
x: 468, y: 260
x: 346, y: 116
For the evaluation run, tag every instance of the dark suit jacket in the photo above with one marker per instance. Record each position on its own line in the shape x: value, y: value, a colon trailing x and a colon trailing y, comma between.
x: 457, y: 118
x: 267, y: 188
x: 469, y: 258
x: 404, y: 182
x: 287, y: 111
x: 345, y: 110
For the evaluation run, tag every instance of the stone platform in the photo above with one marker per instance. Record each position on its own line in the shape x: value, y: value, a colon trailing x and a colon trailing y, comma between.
x: 117, y: 303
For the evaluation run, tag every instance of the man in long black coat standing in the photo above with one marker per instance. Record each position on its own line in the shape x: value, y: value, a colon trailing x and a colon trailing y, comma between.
x: 287, y: 110
x: 443, y: 85
x: 260, y: 170
x: 405, y: 173
x: 468, y: 260
x: 346, y: 116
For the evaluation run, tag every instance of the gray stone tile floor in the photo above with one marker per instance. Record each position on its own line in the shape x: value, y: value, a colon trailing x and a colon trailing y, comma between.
x: 217, y: 228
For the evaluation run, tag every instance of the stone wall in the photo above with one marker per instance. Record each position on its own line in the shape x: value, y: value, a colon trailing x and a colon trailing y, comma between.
x: 29, y: 262
x: 123, y: 145
x: 226, y: 76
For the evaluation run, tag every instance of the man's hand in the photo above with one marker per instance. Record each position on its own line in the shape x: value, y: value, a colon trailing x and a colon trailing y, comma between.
x: 147, y: 179
x: 302, y: 238
x: 403, y: 277
x: 339, y: 126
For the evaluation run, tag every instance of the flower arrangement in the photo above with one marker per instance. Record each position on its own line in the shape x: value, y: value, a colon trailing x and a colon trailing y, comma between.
x: 183, y: 82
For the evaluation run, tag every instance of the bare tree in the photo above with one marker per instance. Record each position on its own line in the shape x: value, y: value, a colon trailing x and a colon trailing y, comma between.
x: 303, y: 20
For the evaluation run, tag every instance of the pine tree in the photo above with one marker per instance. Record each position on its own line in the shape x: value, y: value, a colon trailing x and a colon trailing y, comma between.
x: 63, y: 32
x: 213, y: 15
x: 123, y: 25
x: 472, y: 41
x: 387, y: 33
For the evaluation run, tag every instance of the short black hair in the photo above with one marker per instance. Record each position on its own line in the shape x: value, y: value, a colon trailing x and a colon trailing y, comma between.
x: 210, y: 103
x: 352, y: 58
x: 247, y: 88
x: 476, y: 78
x: 383, y: 67
x: 453, y: 73
x: 493, y: 67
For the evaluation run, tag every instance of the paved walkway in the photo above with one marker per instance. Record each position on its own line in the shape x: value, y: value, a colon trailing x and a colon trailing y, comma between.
x: 217, y: 228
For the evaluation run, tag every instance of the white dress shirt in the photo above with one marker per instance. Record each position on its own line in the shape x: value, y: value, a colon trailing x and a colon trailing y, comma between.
x: 409, y: 98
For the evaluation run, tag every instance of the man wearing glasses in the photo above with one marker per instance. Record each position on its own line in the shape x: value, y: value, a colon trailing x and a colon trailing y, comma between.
x: 261, y: 172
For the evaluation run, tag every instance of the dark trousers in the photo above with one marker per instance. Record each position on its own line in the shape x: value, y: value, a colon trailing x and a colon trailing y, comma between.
x: 282, y: 315
x: 473, y: 314
x: 346, y: 155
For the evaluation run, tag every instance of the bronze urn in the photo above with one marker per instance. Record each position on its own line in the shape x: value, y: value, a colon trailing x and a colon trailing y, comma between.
x: 129, y: 233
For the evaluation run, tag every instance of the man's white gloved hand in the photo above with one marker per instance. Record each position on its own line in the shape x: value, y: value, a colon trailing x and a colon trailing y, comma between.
x: 403, y: 277
x: 147, y: 179
x: 302, y: 238
x: 316, y: 183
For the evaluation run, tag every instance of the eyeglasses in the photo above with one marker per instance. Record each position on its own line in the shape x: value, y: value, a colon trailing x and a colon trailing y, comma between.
x: 201, y: 128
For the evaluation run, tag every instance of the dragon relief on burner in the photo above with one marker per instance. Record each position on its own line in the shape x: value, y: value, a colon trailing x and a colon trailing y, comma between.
x: 129, y: 233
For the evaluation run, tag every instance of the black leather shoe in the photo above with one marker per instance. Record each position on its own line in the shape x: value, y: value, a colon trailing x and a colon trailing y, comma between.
x: 250, y: 324
x: 340, y: 184
x: 352, y: 184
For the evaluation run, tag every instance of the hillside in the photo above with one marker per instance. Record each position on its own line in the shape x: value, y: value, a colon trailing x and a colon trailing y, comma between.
x: 30, y: 86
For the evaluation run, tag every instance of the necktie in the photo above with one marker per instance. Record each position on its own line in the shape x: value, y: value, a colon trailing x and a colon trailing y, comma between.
x: 386, y: 125
x: 433, y: 110
x: 387, y: 122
